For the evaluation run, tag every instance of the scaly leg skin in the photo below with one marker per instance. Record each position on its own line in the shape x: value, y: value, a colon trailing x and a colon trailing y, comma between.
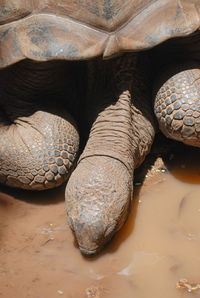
x: 37, y: 146
x: 37, y: 152
x: 99, y: 191
x: 177, y: 103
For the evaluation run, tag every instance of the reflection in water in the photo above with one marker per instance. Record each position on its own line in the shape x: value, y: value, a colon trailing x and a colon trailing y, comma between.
x: 156, y: 250
x: 184, y: 164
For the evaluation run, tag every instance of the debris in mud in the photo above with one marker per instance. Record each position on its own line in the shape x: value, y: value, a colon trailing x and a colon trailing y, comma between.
x: 148, y: 171
x: 137, y: 183
x: 156, y: 169
x: 60, y: 292
x: 46, y: 231
x: 189, y: 286
x: 92, y: 292
x: 48, y: 240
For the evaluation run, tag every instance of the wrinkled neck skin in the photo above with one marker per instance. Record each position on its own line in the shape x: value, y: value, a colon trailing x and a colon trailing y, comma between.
x: 119, y: 94
x: 100, y: 190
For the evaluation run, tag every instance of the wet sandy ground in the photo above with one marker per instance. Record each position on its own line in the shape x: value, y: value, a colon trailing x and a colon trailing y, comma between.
x: 157, y: 248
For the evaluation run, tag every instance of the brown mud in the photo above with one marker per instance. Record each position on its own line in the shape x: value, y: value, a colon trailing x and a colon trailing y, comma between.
x: 156, y: 254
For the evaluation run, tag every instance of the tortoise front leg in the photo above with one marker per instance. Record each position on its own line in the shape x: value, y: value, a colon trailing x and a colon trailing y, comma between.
x: 177, y: 102
x: 38, y: 140
x: 37, y: 151
x: 100, y: 190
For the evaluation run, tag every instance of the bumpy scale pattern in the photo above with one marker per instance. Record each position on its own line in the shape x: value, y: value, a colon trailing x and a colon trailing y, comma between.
x: 97, y: 204
x: 177, y: 107
x: 37, y: 152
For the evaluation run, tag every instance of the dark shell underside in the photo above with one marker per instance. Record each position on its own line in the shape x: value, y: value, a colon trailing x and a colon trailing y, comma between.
x: 83, y: 29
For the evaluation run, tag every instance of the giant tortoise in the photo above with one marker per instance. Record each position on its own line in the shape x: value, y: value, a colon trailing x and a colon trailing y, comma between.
x: 55, y: 58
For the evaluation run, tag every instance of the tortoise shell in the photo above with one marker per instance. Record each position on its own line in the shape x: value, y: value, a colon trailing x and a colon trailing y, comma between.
x: 81, y: 29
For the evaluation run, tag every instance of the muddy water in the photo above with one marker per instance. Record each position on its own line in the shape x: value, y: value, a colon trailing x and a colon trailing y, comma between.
x: 158, y: 247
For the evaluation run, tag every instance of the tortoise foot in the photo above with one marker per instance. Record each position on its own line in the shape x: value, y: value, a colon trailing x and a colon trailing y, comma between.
x: 37, y: 151
x: 177, y: 104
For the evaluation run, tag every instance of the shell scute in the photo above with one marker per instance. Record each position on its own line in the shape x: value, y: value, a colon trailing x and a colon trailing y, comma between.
x: 11, y: 10
x: 82, y: 29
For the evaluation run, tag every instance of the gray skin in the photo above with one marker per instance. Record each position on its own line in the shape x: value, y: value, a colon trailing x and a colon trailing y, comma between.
x: 99, y: 192
x: 39, y: 140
